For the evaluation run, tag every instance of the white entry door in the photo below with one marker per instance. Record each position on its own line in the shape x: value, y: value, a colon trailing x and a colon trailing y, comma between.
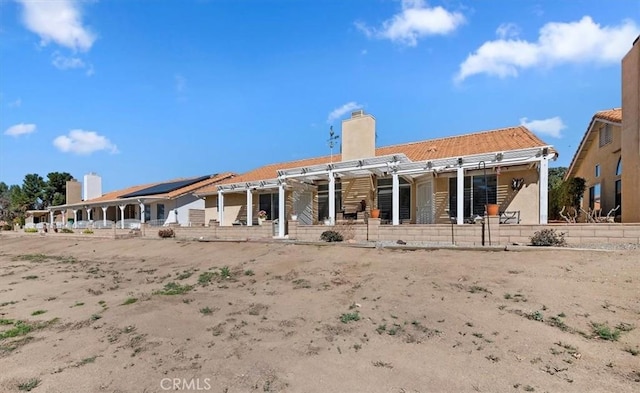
x: 424, y: 202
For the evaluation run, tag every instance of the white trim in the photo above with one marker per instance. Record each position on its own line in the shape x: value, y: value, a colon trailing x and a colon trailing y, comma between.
x: 460, y: 196
x: 543, y: 185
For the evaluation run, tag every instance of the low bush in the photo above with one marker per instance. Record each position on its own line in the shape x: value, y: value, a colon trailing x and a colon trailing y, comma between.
x: 166, y: 232
x: 88, y: 232
x: 331, y: 236
x: 66, y: 230
x: 548, y: 237
x: 31, y: 230
x: 6, y: 227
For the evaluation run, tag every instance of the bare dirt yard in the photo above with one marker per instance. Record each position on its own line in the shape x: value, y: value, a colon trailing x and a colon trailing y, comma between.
x: 141, y: 315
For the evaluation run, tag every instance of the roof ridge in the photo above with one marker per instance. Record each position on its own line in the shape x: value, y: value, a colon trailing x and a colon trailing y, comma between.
x: 454, y: 136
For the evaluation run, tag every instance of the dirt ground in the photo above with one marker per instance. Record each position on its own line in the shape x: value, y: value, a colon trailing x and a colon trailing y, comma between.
x: 142, y: 315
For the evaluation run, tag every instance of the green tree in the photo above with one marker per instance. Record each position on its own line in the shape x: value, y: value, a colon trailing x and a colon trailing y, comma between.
x: 5, y: 202
x: 55, y: 189
x: 18, y: 203
x: 33, y: 191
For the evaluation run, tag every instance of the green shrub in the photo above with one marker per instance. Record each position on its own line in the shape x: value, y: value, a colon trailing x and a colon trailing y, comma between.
x: 88, y: 232
x: 348, y: 317
x: 6, y: 227
x: 166, y: 232
x: 66, y: 230
x: 31, y: 230
x: 331, y: 236
x: 548, y: 237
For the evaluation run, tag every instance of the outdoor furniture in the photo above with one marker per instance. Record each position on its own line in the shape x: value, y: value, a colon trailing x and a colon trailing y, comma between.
x: 510, y: 217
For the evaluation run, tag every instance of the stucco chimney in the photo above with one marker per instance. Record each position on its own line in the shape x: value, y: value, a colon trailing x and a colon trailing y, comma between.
x: 92, y: 186
x: 358, y: 136
x: 73, y: 191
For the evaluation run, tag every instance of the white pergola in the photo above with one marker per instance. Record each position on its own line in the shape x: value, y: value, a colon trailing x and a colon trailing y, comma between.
x: 396, y: 165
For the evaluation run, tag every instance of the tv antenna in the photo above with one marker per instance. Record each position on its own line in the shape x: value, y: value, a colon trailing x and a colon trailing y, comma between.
x: 332, y: 140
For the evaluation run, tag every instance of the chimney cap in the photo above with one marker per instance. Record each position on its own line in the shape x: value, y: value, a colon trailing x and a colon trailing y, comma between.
x: 358, y: 113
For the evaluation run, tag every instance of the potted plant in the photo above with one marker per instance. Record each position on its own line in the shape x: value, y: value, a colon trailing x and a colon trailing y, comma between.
x: 294, y: 216
x: 262, y: 216
x: 492, y: 209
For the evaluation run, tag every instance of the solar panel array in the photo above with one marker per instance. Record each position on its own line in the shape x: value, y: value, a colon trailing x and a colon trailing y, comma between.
x: 164, y: 188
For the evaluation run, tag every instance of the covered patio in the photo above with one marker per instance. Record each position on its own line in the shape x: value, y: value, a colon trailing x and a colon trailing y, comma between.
x: 365, y: 175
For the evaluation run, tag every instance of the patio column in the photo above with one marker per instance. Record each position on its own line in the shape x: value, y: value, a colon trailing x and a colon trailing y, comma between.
x: 75, y: 218
x: 88, y: 209
x: 220, y: 208
x: 104, y: 216
x: 64, y: 218
x: 249, y: 207
x: 543, y: 186
x: 460, y: 196
x: 122, y: 215
x: 51, y: 217
x: 142, y: 212
x: 332, y: 198
x: 281, y: 212
x: 395, y: 199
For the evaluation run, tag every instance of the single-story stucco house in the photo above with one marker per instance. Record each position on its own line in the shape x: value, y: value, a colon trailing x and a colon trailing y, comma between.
x: 424, y: 182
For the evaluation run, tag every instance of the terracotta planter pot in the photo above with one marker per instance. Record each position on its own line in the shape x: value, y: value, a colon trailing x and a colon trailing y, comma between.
x: 375, y: 213
x: 492, y: 209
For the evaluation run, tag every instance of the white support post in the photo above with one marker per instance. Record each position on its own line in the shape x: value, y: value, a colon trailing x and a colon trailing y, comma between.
x: 460, y: 197
x: 249, y: 207
x: 122, y: 215
x: 142, y: 210
x: 281, y: 212
x: 88, y: 213
x: 543, y: 185
x: 332, y: 198
x: 64, y: 218
x: 104, y: 216
x: 395, y: 199
x: 51, y: 218
x: 220, y: 208
x: 75, y: 218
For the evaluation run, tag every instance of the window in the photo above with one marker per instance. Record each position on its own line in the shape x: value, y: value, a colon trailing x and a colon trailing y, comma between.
x: 619, y: 167
x: 605, y: 135
x: 147, y: 213
x: 385, y: 199
x: 159, y: 211
x: 597, y: 170
x: 271, y: 204
x: 618, y: 197
x: 323, y: 199
x: 594, y: 197
x: 476, y: 194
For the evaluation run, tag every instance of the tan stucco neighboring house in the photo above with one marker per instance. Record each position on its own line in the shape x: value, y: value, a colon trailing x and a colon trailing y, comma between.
x: 159, y: 203
x: 409, y: 183
x: 608, y: 157
x: 598, y: 160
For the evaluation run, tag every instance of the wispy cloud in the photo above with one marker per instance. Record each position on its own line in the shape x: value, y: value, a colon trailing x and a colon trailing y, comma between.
x: 15, y: 104
x: 415, y: 20
x: 84, y: 143
x: 550, y: 127
x: 508, y: 30
x: 583, y: 41
x: 62, y: 62
x: 20, y: 129
x: 180, y: 83
x: 341, y: 111
x: 58, y: 21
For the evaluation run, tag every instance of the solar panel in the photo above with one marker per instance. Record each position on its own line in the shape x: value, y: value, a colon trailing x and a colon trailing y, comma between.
x: 163, y: 188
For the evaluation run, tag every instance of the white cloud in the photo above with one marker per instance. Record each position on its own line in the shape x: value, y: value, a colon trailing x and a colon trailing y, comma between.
x: 20, y: 129
x: 59, y: 21
x: 15, y: 104
x: 83, y: 142
x: 65, y: 63
x: 550, y: 127
x: 341, y: 111
x: 583, y: 41
x: 416, y: 20
x: 508, y: 30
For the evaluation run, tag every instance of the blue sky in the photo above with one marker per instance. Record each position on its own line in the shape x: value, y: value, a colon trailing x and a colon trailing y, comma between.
x: 142, y: 91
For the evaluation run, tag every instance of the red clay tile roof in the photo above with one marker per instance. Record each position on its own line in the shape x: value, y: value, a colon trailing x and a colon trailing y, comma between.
x: 512, y: 138
x: 613, y: 115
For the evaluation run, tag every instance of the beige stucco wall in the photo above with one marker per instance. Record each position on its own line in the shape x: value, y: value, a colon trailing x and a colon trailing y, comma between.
x: 358, y: 137
x: 631, y: 134
x: 235, y: 206
x: 524, y: 200
x: 607, y: 157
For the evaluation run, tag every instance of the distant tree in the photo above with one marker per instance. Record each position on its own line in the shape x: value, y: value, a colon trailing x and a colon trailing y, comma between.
x: 33, y: 191
x: 55, y: 189
x: 556, y: 176
x: 5, y: 202
x: 18, y: 203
